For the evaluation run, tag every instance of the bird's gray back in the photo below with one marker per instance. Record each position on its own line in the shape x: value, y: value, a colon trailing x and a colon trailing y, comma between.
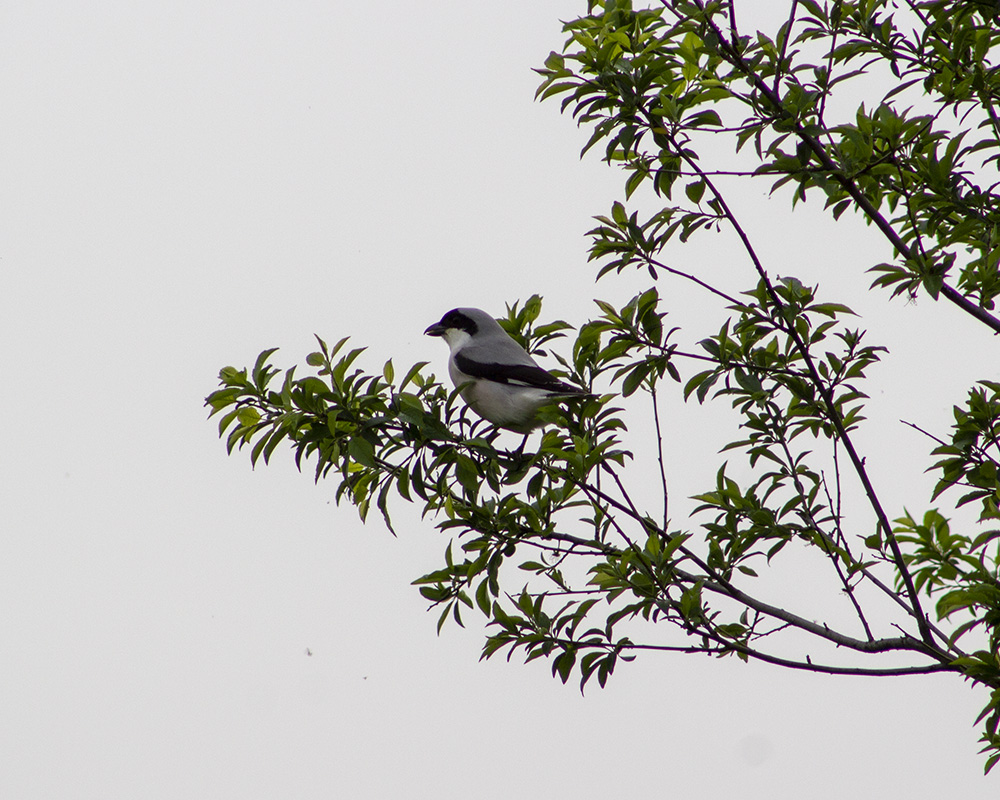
x: 492, y: 344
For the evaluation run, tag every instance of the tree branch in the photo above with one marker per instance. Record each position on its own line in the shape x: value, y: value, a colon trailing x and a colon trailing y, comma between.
x: 827, y: 396
x: 724, y: 647
x: 718, y: 584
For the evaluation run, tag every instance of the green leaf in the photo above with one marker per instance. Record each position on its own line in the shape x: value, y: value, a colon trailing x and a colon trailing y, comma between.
x: 467, y: 474
x: 635, y: 378
x: 230, y: 376
x: 412, y: 373
x: 695, y: 191
x: 248, y: 416
x: 563, y: 664
x: 362, y: 452
x: 483, y: 597
x: 618, y: 214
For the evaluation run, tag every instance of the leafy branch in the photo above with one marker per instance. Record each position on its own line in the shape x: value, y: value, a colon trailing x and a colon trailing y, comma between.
x: 548, y: 542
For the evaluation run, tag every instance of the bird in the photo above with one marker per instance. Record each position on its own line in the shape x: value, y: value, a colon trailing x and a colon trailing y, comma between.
x: 495, y: 375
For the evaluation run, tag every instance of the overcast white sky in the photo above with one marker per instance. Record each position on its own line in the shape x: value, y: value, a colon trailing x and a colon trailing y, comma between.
x: 185, y: 184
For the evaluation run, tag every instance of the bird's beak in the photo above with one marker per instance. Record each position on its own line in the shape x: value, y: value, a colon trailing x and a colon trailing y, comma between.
x: 437, y: 329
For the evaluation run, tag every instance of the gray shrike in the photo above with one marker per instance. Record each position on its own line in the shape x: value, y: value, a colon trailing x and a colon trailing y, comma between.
x: 498, y: 379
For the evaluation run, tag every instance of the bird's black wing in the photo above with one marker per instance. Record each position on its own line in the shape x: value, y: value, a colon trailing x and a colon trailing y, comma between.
x: 514, y: 374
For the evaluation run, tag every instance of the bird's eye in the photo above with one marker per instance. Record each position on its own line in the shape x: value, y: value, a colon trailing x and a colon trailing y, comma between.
x: 459, y: 321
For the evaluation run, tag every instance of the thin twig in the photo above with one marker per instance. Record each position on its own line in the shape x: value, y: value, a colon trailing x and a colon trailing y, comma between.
x: 925, y: 433
x: 659, y: 456
x: 784, y: 44
x: 694, y: 279
x: 828, y: 545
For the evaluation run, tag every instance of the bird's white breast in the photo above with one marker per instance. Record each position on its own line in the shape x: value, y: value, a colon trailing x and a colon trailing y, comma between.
x: 504, y: 404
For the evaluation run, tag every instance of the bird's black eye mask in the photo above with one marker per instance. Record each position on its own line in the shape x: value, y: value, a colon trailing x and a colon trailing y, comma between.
x: 456, y: 319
